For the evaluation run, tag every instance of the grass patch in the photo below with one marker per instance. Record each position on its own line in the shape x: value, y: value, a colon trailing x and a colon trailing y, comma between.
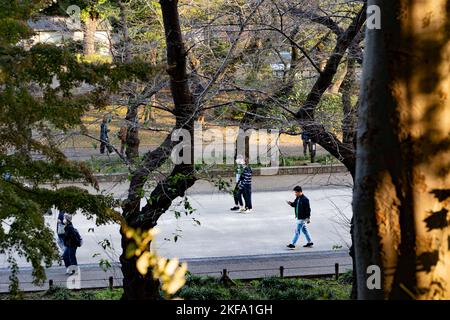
x: 201, y: 288
x: 209, y: 288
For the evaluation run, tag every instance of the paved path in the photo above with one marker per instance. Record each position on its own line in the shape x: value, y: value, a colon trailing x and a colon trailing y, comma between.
x: 265, y: 231
x: 296, y: 263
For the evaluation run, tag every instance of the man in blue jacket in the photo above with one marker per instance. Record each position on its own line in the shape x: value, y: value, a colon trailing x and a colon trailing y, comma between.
x: 302, y: 216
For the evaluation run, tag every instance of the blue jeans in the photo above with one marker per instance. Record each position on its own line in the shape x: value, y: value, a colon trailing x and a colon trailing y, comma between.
x: 69, y: 256
x: 301, y: 227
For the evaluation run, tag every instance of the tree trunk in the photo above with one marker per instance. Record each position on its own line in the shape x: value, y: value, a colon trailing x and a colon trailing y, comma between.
x: 338, y: 79
x: 182, y: 176
x: 347, y: 90
x: 133, y: 141
x: 90, y: 27
x: 136, y: 286
x: 125, y: 34
x: 132, y: 120
x: 402, y: 187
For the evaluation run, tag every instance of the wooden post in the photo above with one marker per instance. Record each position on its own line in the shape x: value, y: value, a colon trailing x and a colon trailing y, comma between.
x: 336, y: 270
x: 50, y: 284
x: 111, y: 283
x: 281, y: 272
x: 224, y: 274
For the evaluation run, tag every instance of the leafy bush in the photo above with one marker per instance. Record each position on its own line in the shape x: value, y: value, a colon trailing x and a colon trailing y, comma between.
x: 204, y: 293
x: 107, y: 294
x: 60, y: 293
x: 192, y: 280
x: 87, y: 295
x: 346, y: 278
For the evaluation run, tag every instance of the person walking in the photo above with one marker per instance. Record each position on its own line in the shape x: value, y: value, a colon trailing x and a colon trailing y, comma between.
x: 104, y: 139
x: 302, y: 217
x: 60, y: 230
x: 72, y: 240
x: 237, y: 194
x: 245, y: 187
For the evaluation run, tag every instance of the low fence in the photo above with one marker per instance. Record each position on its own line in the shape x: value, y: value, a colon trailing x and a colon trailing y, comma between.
x: 226, y: 274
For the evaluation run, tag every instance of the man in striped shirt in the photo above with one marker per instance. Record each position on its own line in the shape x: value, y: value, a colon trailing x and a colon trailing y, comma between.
x: 245, y: 186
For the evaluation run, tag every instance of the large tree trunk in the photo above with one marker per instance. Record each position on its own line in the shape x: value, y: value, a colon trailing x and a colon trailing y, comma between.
x: 136, y: 286
x: 402, y: 186
x: 90, y: 27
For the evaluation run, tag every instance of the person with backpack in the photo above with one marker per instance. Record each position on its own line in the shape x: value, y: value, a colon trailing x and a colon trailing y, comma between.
x: 237, y: 194
x: 302, y: 217
x: 72, y: 240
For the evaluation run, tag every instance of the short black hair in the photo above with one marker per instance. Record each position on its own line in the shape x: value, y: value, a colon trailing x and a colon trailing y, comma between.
x: 298, y: 189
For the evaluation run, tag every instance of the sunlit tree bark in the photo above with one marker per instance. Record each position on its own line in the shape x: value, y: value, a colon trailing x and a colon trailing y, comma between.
x: 402, y: 186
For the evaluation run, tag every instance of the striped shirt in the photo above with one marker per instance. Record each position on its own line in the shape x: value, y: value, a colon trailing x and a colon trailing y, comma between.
x: 246, y: 178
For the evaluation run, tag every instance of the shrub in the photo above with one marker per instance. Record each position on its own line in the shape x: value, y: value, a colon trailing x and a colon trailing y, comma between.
x: 87, y: 295
x: 60, y: 293
x: 204, y: 293
x: 346, y: 278
x: 107, y: 294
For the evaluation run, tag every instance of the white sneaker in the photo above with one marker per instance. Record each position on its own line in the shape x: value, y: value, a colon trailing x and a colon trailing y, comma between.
x: 243, y: 210
x: 249, y: 210
x: 70, y: 271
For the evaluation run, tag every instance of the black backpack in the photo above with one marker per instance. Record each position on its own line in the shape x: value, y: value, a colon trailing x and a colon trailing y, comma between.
x: 77, y: 238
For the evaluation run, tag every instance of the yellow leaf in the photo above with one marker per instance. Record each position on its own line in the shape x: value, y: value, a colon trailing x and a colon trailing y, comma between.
x: 174, y: 285
x: 161, y: 264
x: 142, y: 263
x: 171, y: 266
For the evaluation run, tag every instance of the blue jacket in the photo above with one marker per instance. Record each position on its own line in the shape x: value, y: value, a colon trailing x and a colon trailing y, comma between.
x: 301, y: 207
x: 305, y: 135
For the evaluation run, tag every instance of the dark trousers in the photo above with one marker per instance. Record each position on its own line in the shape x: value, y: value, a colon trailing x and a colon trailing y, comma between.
x: 311, y: 147
x: 247, y: 193
x: 237, y: 194
x: 103, y: 145
x: 69, y: 256
x: 306, y: 147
